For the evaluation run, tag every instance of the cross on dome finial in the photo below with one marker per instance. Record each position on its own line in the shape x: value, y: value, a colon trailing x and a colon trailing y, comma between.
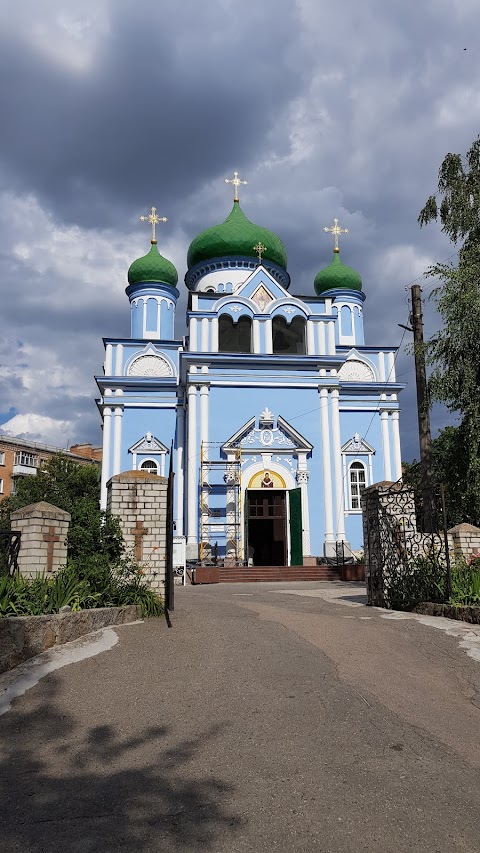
x: 260, y: 249
x: 154, y: 220
x: 336, y: 230
x: 236, y: 183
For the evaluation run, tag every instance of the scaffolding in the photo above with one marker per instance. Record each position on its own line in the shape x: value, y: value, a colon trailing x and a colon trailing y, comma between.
x: 220, y: 505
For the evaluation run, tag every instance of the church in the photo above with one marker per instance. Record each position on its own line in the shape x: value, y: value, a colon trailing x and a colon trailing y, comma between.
x: 276, y: 411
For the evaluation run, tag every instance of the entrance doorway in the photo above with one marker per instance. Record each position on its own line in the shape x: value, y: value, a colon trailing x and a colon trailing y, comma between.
x: 266, y: 519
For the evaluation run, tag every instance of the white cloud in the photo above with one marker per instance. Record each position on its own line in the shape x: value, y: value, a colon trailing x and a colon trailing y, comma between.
x: 39, y: 428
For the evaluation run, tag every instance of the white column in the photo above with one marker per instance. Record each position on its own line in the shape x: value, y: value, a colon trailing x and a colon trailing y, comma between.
x: 107, y: 432
x: 327, y: 474
x: 108, y: 360
x: 268, y: 336
x: 331, y: 338
x: 302, y: 481
x: 162, y: 464
x: 390, y: 367
x: 204, y: 414
x: 310, y: 338
x: 134, y: 461
x: 192, y: 471
x: 205, y: 329
x: 117, y: 440
x: 387, y: 466
x: 179, y: 475
x: 256, y: 335
x: 159, y: 316
x: 397, y: 456
x: 193, y: 334
x: 214, y: 327
x: 321, y: 339
x: 337, y: 464
x: 381, y: 367
x: 119, y: 360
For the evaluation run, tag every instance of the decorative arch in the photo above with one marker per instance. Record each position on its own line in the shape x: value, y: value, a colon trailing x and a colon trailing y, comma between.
x: 149, y: 363
x: 262, y: 480
x: 234, y: 335
x: 289, y: 338
x: 150, y: 465
x: 256, y: 468
x: 354, y: 370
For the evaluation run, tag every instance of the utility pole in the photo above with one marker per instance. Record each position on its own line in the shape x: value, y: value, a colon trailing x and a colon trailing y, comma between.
x: 423, y: 412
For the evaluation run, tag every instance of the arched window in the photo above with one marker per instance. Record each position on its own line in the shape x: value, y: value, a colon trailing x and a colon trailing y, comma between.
x: 234, y: 337
x: 288, y: 338
x: 357, y: 483
x: 149, y: 465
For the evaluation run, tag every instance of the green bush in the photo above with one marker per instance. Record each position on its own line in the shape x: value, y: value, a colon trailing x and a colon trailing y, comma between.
x: 94, y: 585
x: 466, y: 582
x: 425, y: 579
x: 421, y: 579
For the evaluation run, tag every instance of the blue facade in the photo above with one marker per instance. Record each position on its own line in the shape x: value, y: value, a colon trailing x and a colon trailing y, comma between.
x: 269, y: 394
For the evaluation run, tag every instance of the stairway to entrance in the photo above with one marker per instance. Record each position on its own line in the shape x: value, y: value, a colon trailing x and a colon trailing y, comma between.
x: 257, y: 574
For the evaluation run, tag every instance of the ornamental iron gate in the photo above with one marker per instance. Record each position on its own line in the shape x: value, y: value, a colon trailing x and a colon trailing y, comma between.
x: 9, y: 549
x: 402, y: 543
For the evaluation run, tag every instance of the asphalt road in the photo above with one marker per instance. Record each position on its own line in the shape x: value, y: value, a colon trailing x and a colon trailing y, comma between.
x: 262, y: 720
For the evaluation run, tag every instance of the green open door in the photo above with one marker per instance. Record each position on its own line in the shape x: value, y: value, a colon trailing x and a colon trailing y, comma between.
x: 295, y: 502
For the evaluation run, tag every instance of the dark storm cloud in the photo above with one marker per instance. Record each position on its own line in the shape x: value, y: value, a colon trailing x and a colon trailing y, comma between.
x: 108, y: 108
x: 162, y: 105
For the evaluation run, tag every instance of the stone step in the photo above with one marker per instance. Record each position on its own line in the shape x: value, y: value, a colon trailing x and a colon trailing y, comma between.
x: 257, y: 574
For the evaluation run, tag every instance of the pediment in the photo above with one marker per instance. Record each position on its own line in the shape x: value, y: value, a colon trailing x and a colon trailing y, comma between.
x: 261, y: 288
x: 148, y: 444
x: 357, y: 446
x: 267, y: 433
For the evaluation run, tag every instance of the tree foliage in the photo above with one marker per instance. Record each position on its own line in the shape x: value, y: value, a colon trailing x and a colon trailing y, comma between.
x: 452, y: 353
x: 449, y: 463
x: 74, y: 488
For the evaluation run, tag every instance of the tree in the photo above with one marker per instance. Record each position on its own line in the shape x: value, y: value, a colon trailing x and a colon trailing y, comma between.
x: 449, y: 463
x: 74, y: 488
x: 452, y: 353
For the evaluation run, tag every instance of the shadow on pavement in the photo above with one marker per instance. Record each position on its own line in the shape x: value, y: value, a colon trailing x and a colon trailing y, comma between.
x: 67, y: 790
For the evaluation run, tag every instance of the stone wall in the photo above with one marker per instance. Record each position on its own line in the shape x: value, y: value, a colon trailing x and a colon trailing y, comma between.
x: 43, y: 545
x: 24, y: 637
x: 139, y: 500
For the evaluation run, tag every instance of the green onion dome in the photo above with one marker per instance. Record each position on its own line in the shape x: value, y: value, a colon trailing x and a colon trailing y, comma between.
x: 153, y: 267
x: 337, y: 276
x: 236, y: 237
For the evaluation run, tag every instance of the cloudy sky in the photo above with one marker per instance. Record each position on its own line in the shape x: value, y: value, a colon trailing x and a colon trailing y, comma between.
x: 110, y: 106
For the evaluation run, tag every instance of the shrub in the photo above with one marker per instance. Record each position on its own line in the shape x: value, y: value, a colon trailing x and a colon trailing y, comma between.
x: 95, y: 585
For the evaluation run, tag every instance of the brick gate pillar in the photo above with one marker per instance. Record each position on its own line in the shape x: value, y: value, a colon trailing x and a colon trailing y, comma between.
x: 139, y: 500
x: 43, y: 544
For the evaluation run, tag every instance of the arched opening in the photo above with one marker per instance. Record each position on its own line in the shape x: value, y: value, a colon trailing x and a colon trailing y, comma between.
x: 234, y: 337
x: 288, y: 338
x: 357, y: 483
x: 150, y: 466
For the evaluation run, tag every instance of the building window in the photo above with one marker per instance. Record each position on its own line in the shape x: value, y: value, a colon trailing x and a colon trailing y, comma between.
x: 149, y: 465
x: 288, y: 338
x: 234, y: 337
x: 2, y: 457
x: 27, y: 459
x: 1, y: 487
x: 357, y: 484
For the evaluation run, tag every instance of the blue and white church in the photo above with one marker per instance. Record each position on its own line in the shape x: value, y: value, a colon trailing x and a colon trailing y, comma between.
x: 276, y: 411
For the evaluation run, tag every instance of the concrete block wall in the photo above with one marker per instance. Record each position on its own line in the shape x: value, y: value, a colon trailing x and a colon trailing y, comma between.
x: 43, y: 544
x: 139, y: 500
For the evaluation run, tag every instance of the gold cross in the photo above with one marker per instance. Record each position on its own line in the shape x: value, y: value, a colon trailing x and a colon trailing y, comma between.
x: 236, y: 183
x: 260, y: 249
x: 336, y: 230
x: 154, y: 220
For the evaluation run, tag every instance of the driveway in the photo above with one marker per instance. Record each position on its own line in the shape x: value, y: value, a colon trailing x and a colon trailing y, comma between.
x: 272, y: 717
